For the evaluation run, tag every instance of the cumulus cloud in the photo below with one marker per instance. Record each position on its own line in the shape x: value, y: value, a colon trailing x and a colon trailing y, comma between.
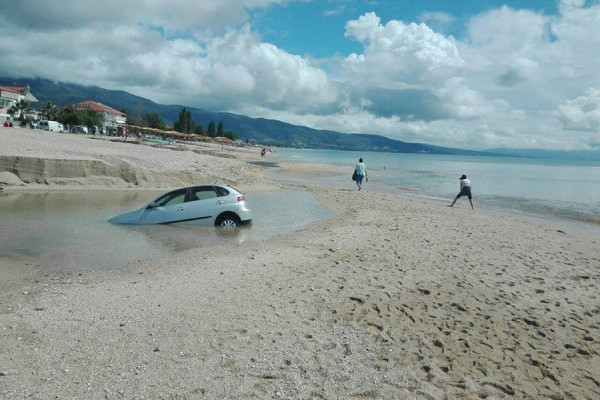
x: 407, y: 46
x: 519, y: 70
x: 437, y: 17
x: 281, y: 80
x: 174, y: 15
x: 462, y: 102
x: 218, y: 72
x: 410, y: 62
x: 506, y: 30
x: 547, y: 56
x: 582, y: 113
x: 509, y: 82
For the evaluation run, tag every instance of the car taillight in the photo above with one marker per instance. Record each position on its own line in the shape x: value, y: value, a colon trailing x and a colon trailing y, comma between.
x: 241, y: 198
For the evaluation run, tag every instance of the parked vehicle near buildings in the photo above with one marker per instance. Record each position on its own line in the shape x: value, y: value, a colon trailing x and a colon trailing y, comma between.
x: 79, y: 129
x: 51, y: 126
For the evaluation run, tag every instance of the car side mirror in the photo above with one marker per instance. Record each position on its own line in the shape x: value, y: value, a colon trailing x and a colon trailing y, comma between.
x: 152, y: 205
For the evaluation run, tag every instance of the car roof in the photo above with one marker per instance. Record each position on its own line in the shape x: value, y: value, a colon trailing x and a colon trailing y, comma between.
x: 223, y: 185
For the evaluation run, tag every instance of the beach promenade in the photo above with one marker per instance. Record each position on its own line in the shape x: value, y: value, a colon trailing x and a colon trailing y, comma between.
x: 393, y: 298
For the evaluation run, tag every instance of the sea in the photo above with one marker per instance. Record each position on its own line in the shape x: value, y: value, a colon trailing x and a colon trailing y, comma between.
x: 555, y: 189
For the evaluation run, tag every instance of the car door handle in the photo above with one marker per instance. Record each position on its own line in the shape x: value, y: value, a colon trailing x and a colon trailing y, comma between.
x: 181, y: 209
x: 220, y: 202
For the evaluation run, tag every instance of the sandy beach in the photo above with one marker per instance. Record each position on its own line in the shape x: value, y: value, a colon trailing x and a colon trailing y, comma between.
x: 393, y: 298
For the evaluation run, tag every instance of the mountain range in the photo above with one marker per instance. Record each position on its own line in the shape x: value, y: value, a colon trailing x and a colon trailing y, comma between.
x: 261, y: 130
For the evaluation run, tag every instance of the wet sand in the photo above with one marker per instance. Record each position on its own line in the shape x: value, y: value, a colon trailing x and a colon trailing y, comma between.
x: 392, y: 298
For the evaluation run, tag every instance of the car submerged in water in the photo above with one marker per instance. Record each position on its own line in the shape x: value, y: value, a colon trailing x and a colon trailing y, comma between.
x: 212, y: 205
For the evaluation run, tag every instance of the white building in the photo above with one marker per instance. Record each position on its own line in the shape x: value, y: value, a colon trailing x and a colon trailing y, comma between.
x: 109, y: 116
x: 9, y: 96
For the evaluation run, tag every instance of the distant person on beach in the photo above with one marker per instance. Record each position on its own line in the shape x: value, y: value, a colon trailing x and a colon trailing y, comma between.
x: 465, y: 190
x: 361, y: 172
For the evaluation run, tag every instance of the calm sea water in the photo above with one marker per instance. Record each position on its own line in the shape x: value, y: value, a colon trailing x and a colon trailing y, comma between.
x: 546, y: 188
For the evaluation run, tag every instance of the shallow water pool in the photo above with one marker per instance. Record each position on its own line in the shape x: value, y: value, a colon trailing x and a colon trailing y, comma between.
x: 68, y: 230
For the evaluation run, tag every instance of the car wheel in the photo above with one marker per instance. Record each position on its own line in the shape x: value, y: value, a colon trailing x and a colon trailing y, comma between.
x: 228, y: 222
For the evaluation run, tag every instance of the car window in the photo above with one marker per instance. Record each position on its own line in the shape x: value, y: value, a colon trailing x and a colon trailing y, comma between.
x: 172, y: 198
x: 202, y: 193
x: 221, y: 191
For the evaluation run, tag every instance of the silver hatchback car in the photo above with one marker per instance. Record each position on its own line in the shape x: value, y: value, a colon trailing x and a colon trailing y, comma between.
x: 219, y: 205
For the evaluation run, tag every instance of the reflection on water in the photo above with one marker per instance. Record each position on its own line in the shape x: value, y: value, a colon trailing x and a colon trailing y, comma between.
x: 69, y: 230
x: 180, y: 238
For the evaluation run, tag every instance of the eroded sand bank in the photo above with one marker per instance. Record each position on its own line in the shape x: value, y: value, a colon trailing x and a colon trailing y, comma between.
x: 32, y: 159
x: 393, y: 298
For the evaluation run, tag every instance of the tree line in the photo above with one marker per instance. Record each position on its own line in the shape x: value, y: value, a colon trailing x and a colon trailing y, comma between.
x: 51, y: 112
x: 69, y: 116
x: 184, y: 124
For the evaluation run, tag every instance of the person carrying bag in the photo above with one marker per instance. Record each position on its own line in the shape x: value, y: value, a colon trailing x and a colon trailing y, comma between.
x: 360, y: 172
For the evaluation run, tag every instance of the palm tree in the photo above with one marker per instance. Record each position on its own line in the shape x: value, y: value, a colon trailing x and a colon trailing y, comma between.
x: 20, y: 108
x: 49, y: 111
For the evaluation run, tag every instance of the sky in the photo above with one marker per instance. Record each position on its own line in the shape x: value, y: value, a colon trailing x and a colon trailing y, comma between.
x: 471, y: 74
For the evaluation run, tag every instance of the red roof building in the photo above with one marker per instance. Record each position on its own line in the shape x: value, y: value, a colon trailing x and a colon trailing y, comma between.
x: 95, y: 106
x: 18, y: 89
x: 9, y: 95
x: 109, y: 116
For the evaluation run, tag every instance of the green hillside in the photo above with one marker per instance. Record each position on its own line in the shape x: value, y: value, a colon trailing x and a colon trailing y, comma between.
x: 261, y: 130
